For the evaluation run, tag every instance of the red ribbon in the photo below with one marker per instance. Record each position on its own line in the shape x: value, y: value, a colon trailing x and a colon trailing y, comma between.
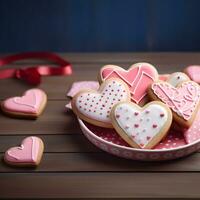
x: 32, y: 74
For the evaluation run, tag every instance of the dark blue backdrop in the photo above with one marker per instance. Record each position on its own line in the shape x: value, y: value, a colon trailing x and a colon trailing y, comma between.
x: 99, y: 25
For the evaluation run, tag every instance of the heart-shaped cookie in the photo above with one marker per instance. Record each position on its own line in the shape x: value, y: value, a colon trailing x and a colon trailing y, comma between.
x: 183, y: 100
x: 141, y: 127
x: 138, y: 78
x: 176, y: 78
x: 95, y: 106
x: 28, y: 154
x: 30, y: 105
x: 193, y: 72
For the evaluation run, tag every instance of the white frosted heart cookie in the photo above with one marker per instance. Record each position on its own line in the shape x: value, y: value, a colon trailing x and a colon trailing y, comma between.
x: 95, y: 106
x: 176, y: 78
x: 141, y: 127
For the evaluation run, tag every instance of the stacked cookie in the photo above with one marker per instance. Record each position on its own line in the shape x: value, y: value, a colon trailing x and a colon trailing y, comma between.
x: 139, y: 104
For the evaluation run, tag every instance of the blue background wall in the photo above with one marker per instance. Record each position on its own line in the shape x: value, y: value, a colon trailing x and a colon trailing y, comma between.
x: 99, y: 25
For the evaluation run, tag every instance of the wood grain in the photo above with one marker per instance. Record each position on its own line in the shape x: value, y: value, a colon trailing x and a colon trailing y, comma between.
x: 54, y: 120
x: 66, y: 143
x: 124, y: 57
x: 100, y: 185
x: 103, y: 162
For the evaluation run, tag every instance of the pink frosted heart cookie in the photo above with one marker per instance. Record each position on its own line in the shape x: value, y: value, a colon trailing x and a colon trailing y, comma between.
x: 176, y: 78
x: 30, y: 105
x: 28, y: 154
x: 193, y: 72
x: 141, y: 127
x: 138, y: 78
x: 182, y: 100
x: 95, y: 106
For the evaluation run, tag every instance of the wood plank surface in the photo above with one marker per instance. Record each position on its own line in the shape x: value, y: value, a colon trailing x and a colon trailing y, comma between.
x: 54, y: 120
x: 72, y: 167
x: 100, y: 185
x: 103, y: 162
x: 124, y: 57
x: 68, y: 143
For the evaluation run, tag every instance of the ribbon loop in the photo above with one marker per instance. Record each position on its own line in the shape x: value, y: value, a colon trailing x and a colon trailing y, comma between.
x: 32, y: 75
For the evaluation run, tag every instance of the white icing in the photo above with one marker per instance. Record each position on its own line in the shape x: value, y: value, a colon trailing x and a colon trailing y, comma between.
x: 176, y: 78
x: 33, y: 155
x: 97, y: 106
x: 140, y: 128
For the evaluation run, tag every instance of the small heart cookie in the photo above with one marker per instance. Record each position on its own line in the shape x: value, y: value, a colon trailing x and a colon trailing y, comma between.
x: 176, y: 78
x: 95, y: 106
x: 193, y: 72
x: 141, y: 127
x: 30, y: 105
x: 182, y: 100
x: 138, y: 78
x: 28, y: 154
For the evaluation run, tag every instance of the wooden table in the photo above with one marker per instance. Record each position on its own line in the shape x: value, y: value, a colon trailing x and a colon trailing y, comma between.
x: 74, y: 168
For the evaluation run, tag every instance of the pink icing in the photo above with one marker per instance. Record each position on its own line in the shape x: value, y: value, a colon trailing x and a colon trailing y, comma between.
x: 26, y: 153
x: 77, y: 86
x: 29, y: 103
x: 138, y: 78
x: 192, y: 134
x: 193, y: 72
x: 182, y: 100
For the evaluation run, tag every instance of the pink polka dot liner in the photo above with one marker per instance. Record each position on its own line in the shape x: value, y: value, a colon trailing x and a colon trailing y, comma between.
x: 174, y: 139
x: 178, y: 142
